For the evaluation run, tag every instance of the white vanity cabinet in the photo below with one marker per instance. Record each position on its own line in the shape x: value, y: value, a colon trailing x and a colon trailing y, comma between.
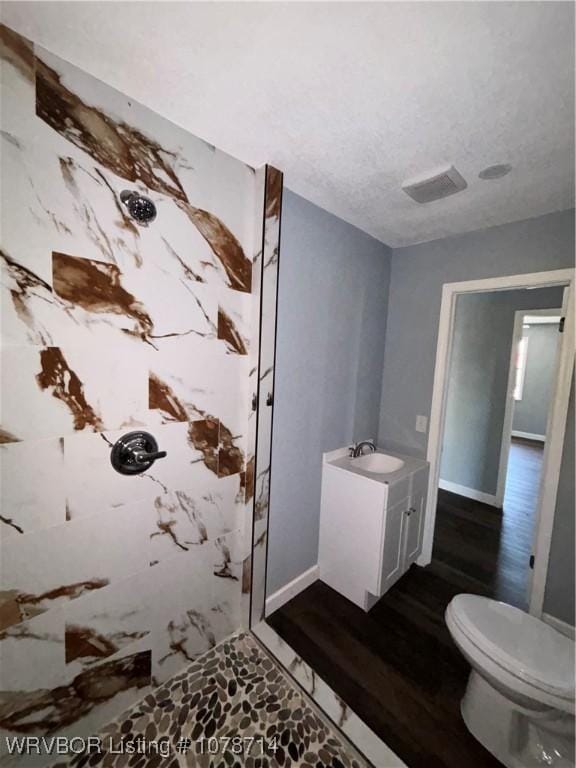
x: 402, y: 529
x: 415, y: 517
x: 371, y: 526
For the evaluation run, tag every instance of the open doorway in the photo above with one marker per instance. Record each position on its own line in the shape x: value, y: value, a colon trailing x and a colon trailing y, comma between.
x: 532, y: 370
x: 493, y: 488
x: 531, y: 377
x: 500, y: 382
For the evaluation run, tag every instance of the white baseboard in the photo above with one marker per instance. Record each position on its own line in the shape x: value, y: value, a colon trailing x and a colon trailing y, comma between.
x: 561, y: 626
x: 529, y: 436
x: 470, y: 493
x: 291, y: 589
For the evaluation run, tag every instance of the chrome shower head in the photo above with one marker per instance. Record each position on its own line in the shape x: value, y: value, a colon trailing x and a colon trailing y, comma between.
x: 141, y: 208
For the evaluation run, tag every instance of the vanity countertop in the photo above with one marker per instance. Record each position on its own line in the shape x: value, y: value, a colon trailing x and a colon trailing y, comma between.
x: 411, y: 465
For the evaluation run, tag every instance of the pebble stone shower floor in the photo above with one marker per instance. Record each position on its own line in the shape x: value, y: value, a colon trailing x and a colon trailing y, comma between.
x: 236, y: 691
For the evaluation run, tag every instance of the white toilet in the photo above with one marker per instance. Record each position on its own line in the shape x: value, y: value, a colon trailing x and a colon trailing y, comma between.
x: 519, y: 702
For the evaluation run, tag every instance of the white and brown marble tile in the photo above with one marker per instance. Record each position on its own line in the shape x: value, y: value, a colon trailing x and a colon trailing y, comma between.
x: 195, y: 607
x: 105, y: 622
x: 254, y: 396
x: 177, y: 393
x: 45, y: 569
x: 27, y: 506
x: 93, y: 487
x: 70, y: 389
x: 42, y: 710
x: 112, y: 582
x: 68, y: 103
x: 32, y: 653
x: 234, y: 321
x: 265, y: 373
x: 183, y: 520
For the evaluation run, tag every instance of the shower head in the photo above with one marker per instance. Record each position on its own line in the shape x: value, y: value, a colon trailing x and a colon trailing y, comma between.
x: 141, y: 208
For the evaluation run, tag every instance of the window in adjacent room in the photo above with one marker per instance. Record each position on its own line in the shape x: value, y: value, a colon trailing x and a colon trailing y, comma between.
x: 520, y: 366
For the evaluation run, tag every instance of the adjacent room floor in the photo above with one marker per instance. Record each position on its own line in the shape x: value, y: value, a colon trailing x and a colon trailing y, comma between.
x: 397, y: 666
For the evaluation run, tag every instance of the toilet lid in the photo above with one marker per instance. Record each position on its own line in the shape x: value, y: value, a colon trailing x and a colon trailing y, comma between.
x: 529, y: 648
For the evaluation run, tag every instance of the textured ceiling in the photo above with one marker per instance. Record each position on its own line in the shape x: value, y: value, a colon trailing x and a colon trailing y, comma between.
x: 351, y: 99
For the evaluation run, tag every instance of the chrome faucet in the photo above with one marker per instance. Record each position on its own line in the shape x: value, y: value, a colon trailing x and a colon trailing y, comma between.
x: 356, y: 450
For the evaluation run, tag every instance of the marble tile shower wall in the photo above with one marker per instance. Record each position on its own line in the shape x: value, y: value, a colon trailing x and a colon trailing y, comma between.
x: 110, y: 584
x: 273, y: 184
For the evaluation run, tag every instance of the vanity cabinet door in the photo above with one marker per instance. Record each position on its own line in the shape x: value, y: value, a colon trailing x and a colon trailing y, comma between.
x: 392, y: 546
x: 415, y: 521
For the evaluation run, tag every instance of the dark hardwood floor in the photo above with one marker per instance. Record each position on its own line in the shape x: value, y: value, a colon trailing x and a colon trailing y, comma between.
x: 396, y: 666
x: 494, y: 549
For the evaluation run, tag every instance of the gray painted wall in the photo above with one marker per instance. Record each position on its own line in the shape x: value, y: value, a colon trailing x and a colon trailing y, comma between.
x: 335, y: 285
x: 531, y: 413
x: 332, y: 304
x: 559, y: 596
x: 418, y: 273
x: 478, y: 381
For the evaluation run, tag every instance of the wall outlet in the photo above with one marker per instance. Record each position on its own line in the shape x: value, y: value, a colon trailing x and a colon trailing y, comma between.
x: 421, y: 423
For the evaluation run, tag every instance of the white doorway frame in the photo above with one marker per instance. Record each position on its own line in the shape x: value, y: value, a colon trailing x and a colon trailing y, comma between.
x: 507, y: 430
x: 556, y: 425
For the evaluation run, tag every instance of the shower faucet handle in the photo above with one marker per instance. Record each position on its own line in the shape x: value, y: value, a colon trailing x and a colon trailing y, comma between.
x: 142, y: 456
x: 134, y: 453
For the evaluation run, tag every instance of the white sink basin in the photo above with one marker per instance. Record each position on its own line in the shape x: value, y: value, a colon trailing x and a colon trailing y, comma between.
x: 377, y: 463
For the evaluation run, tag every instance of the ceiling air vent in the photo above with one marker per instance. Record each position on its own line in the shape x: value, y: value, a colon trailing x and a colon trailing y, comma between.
x: 443, y: 183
